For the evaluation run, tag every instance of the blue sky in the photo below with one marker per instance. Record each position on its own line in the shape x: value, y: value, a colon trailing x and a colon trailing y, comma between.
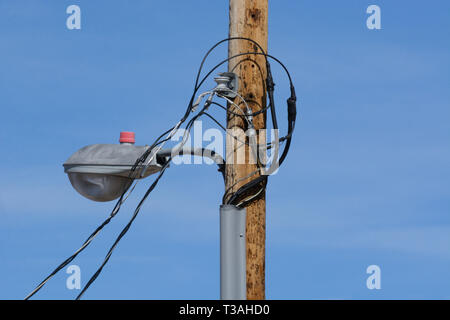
x: 366, y: 182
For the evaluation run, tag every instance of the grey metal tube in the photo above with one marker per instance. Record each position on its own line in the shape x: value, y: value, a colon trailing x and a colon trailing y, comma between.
x: 233, y: 279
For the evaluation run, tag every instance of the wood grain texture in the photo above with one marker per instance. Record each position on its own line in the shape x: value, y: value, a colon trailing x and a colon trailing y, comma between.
x: 248, y: 18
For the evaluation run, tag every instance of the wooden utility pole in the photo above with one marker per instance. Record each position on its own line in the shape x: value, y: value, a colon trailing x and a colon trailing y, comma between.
x: 248, y: 18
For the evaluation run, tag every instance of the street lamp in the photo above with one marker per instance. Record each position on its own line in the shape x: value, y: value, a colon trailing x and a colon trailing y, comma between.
x: 102, y: 172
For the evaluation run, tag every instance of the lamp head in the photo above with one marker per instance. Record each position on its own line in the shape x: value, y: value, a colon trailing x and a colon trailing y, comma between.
x: 102, y: 172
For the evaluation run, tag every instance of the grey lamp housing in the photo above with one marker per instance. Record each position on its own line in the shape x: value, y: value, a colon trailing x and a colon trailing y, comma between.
x: 101, y: 172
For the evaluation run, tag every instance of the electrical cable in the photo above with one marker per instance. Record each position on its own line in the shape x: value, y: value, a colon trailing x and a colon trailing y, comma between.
x: 236, y: 182
x: 85, y: 244
x: 197, y: 85
x: 259, y: 180
x: 251, y: 198
x: 237, y: 106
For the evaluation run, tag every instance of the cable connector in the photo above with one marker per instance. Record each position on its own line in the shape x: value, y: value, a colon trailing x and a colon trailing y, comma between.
x: 209, y: 100
x: 199, y: 99
x: 249, y: 116
x: 270, y: 85
x: 292, y: 105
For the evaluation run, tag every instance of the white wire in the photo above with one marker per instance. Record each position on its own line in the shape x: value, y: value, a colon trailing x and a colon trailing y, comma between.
x: 199, y: 99
x: 238, y: 107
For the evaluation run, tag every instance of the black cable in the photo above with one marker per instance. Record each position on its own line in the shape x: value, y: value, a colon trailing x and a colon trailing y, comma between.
x: 246, y: 202
x: 217, y: 44
x: 85, y: 244
x: 245, y: 188
x: 292, y: 114
x: 246, y: 54
x: 215, y: 120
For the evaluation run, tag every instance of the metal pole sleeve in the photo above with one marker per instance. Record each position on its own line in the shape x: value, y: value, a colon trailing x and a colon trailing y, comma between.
x: 232, y: 253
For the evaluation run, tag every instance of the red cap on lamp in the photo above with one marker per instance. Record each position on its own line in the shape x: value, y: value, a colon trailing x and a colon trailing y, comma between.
x: 127, y: 137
